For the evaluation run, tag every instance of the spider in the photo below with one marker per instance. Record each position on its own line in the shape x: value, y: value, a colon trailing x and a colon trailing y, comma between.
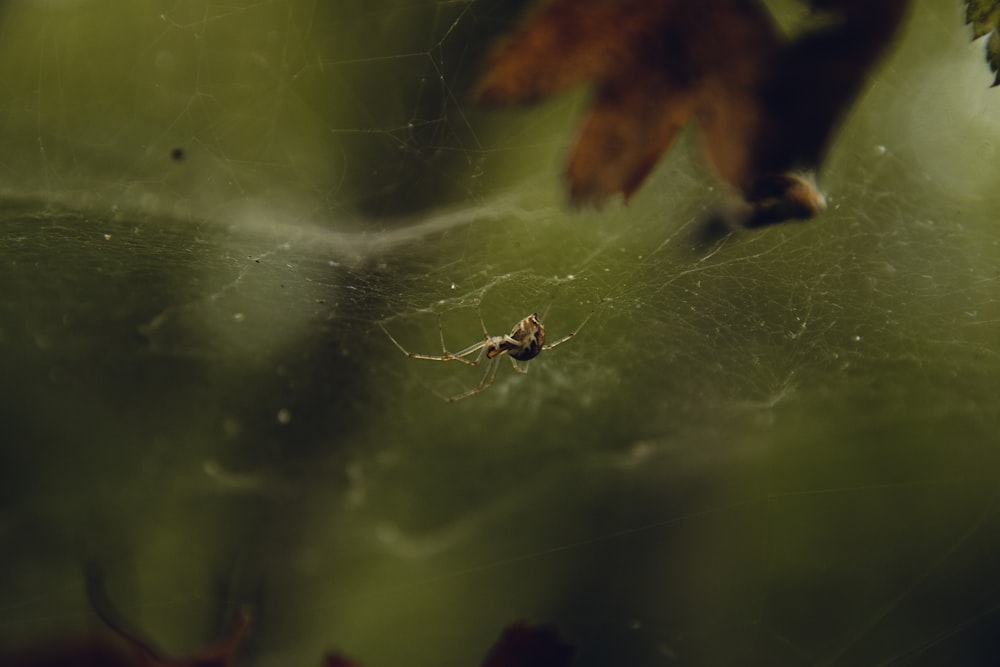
x: 525, y: 341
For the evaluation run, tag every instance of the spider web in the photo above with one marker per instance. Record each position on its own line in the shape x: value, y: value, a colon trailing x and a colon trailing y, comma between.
x: 773, y: 448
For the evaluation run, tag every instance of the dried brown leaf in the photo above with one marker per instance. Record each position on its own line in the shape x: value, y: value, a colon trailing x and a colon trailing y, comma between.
x: 766, y: 107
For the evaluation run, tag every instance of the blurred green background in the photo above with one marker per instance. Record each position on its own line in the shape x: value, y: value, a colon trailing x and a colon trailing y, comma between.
x: 781, y: 449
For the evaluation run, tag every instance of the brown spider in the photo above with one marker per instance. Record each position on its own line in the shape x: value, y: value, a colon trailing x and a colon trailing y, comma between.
x: 525, y: 341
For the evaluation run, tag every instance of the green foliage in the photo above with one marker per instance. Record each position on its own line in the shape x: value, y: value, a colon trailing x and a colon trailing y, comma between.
x: 984, y: 15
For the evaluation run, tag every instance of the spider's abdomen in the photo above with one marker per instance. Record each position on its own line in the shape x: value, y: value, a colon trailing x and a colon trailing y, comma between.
x: 529, y: 334
x: 529, y: 351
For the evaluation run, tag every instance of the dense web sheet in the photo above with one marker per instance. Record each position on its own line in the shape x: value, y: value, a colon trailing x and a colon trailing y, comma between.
x: 765, y: 448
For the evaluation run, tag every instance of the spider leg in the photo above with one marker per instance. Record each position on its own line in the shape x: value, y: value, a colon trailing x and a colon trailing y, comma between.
x: 464, y: 352
x: 513, y: 362
x: 446, y: 356
x: 482, y: 322
x: 549, y: 346
x: 475, y: 347
x: 480, y: 347
x: 485, y: 383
